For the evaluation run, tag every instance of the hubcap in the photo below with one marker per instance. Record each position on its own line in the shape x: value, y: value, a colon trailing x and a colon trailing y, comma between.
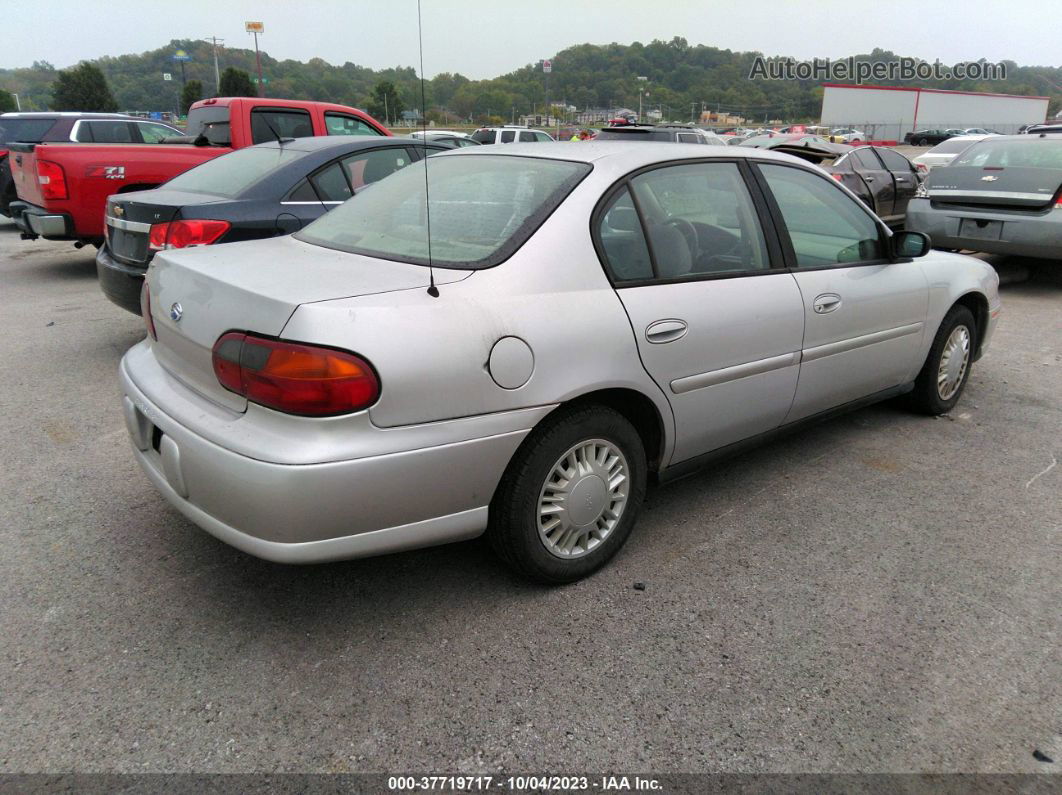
x: 583, y: 498
x: 954, y: 360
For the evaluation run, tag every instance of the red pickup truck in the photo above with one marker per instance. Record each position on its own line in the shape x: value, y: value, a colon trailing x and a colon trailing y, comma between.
x: 63, y: 188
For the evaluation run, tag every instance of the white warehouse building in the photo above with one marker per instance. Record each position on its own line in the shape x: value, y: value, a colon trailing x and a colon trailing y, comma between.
x: 887, y: 113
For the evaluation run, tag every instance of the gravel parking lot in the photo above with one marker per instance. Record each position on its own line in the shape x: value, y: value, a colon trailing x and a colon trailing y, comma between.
x: 882, y: 592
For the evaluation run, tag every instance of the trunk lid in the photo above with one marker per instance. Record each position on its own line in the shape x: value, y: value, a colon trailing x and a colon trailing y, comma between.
x: 129, y: 218
x: 1018, y: 187
x: 255, y: 286
x: 22, y: 159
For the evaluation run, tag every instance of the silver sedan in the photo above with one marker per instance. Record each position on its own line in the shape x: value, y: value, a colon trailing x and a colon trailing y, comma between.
x: 515, y: 341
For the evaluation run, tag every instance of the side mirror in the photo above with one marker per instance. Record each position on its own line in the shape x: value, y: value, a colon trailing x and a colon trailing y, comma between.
x: 907, y: 244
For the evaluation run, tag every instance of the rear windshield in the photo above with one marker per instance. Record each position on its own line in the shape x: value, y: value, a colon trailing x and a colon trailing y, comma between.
x: 30, y: 131
x: 1033, y: 153
x: 483, y: 208
x: 211, y: 121
x: 231, y: 174
x: 950, y: 146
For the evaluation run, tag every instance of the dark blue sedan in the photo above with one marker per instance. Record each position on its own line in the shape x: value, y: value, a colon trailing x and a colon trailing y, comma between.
x: 262, y: 191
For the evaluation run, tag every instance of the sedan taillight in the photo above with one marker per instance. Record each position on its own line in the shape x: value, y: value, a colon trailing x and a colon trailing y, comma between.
x: 295, y: 378
x: 181, y: 234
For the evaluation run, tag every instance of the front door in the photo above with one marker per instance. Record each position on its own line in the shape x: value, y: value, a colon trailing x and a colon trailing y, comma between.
x: 864, y: 316
x: 717, y: 328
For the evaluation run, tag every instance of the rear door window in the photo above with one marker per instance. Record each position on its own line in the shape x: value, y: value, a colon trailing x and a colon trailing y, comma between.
x: 268, y: 124
x: 332, y: 184
x: 345, y: 124
x: 110, y: 132
x: 895, y: 162
x: 689, y: 138
x: 867, y: 159
x: 508, y: 136
x: 365, y: 168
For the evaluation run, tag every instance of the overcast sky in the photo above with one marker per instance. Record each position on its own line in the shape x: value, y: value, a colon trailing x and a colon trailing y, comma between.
x: 484, y: 39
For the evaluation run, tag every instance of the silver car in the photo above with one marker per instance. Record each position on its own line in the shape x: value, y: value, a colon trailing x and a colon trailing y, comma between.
x: 581, y: 320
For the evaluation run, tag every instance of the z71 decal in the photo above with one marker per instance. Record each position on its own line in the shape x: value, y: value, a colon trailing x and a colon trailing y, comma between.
x: 107, y: 172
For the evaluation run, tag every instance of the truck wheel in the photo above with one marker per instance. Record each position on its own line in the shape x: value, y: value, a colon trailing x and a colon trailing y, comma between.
x: 570, y: 496
x: 940, y: 384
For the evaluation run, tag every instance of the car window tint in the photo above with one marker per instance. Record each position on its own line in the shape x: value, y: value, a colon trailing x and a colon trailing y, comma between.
x: 508, y: 136
x: 895, y: 161
x: 689, y: 138
x: 268, y: 125
x: 700, y: 219
x: 84, y: 133
x: 342, y: 124
x: 483, y: 136
x: 154, y: 133
x: 303, y: 192
x: 331, y: 184
x: 527, y: 137
x: 365, y: 168
x: 232, y: 173
x: 111, y: 132
x: 866, y: 159
x: 826, y: 227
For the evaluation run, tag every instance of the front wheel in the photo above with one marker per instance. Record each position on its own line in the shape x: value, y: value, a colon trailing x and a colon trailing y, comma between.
x: 939, y: 385
x: 570, y: 496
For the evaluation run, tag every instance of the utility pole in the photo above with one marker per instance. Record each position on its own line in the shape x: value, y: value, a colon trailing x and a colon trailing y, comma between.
x: 18, y: 105
x: 255, y: 28
x: 217, y: 72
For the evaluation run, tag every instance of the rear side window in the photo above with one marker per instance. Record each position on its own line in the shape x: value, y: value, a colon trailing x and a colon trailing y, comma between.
x: 483, y: 136
x: 825, y: 226
x: 368, y: 167
x: 342, y: 124
x: 543, y: 137
x: 527, y: 137
x: 622, y: 240
x: 270, y: 124
x: 895, y: 161
x: 154, y: 133
x: 508, y: 136
x: 108, y: 132
x: 30, y: 131
x: 331, y: 184
x: 231, y: 174
x: 866, y: 159
x: 689, y: 138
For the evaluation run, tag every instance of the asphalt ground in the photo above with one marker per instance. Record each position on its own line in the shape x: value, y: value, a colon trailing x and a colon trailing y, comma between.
x: 881, y: 592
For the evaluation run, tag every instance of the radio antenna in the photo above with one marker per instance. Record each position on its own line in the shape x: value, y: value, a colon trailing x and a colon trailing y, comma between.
x: 433, y: 291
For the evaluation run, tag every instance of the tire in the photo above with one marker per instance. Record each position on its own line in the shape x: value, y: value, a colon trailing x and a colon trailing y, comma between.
x: 923, y: 142
x: 520, y: 533
x: 931, y: 395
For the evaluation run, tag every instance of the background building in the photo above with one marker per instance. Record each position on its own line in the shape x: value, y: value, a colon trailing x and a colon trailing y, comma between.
x: 888, y: 113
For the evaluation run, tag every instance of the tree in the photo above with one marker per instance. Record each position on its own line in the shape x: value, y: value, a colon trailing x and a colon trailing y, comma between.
x: 82, y: 88
x: 384, y: 102
x: 192, y: 92
x: 7, y: 101
x: 236, y: 83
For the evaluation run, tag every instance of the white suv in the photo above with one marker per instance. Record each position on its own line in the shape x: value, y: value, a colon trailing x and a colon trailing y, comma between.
x: 508, y: 135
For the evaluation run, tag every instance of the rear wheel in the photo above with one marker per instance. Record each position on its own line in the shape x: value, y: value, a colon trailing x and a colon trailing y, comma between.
x: 943, y: 377
x: 570, y: 496
x: 923, y: 142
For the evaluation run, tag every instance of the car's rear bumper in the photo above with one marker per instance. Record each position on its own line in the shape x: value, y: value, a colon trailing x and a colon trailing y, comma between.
x: 385, y: 502
x: 121, y: 283
x: 33, y: 220
x: 1022, y: 234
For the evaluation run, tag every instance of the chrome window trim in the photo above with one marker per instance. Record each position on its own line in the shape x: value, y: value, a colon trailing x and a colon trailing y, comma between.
x: 330, y: 201
x: 128, y: 226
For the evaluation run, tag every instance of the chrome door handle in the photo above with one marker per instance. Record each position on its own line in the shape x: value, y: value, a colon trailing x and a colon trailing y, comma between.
x: 662, y: 331
x: 869, y: 179
x: 826, y: 303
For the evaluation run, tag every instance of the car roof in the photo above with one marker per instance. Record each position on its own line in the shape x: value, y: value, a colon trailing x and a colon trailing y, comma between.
x: 70, y: 114
x: 622, y: 156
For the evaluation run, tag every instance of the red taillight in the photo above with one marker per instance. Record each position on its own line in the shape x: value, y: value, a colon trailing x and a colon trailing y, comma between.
x: 837, y: 176
x: 52, y: 179
x: 145, y: 309
x: 181, y: 234
x: 293, y: 377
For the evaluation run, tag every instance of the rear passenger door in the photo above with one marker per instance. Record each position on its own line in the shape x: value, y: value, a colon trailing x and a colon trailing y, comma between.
x: 878, y: 179
x: 717, y: 323
x: 904, y: 176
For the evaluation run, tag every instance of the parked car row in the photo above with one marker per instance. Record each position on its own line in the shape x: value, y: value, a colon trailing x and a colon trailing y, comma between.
x: 361, y: 345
